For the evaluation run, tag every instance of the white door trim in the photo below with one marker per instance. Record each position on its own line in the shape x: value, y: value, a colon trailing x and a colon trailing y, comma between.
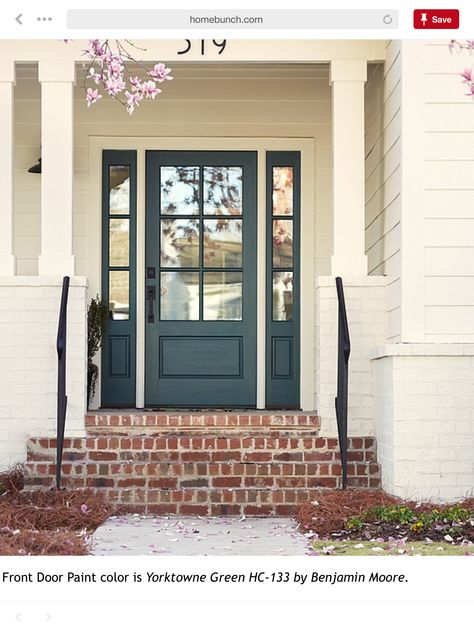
x: 304, y: 145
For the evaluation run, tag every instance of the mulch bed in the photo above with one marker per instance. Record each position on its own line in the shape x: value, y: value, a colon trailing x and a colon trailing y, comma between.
x: 327, y: 516
x: 46, y: 522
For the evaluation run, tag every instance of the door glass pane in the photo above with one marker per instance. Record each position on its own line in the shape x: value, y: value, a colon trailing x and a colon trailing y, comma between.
x: 282, y: 199
x: 179, y: 243
x: 180, y: 190
x: 223, y: 296
x: 222, y: 190
x: 282, y: 243
x: 223, y: 243
x: 179, y: 296
x: 119, y: 294
x: 119, y: 242
x: 119, y: 190
x: 282, y: 296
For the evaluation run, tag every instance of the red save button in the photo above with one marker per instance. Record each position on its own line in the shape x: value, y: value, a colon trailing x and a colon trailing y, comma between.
x: 436, y: 19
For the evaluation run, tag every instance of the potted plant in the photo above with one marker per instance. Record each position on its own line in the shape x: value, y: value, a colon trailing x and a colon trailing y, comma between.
x: 97, y: 315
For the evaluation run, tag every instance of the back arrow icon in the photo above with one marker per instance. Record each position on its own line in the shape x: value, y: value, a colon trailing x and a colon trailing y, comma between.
x: 18, y: 19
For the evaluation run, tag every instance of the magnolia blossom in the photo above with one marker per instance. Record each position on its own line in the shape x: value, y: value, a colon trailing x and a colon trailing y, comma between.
x: 108, y: 70
x: 92, y: 96
x: 114, y: 85
x: 133, y: 100
x: 161, y: 73
x: 149, y: 89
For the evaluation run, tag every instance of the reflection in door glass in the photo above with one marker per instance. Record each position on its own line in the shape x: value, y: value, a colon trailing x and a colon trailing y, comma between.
x: 119, y: 242
x: 282, y: 295
x: 223, y: 243
x: 223, y: 296
x: 282, y: 191
x: 179, y: 243
x: 180, y: 190
x: 179, y: 296
x: 119, y: 294
x: 119, y: 190
x: 282, y: 243
x: 222, y: 190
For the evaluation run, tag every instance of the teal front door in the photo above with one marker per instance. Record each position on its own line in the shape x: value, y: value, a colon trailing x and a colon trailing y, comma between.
x: 201, y: 254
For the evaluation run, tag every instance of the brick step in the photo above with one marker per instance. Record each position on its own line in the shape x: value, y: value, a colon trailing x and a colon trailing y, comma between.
x: 195, y: 431
x: 218, y: 472
x: 171, y: 476
x: 200, y: 419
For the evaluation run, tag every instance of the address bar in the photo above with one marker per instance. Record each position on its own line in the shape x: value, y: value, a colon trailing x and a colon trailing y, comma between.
x: 163, y: 19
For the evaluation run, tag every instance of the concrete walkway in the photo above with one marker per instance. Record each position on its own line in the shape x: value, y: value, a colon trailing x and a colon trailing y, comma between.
x: 148, y: 535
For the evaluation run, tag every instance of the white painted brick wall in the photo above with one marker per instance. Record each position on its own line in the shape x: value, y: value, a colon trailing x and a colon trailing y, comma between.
x: 29, y: 311
x: 424, y: 402
x: 366, y: 313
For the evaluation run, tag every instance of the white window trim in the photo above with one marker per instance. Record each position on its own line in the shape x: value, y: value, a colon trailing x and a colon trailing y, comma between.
x: 307, y: 148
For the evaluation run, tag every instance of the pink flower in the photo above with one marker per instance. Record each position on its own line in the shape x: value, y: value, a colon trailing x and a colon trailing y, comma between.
x: 94, y: 49
x: 97, y: 47
x: 107, y: 72
x: 467, y: 75
x: 452, y: 45
x: 114, y: 85
x: 149, y: 89
x: 95, y: 76
x: 92, y: 96
x: 161, y: 73
x: 84, y: 509
x: 114, y: 65
x: 133, y: 100
x: 471, y: 93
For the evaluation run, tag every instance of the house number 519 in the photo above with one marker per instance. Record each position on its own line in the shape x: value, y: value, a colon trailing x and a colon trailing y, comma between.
x: 220, y: 44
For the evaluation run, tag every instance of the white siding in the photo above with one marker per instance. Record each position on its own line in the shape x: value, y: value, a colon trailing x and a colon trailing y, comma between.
x: 448, y: 116
x: 420, y: 214
x: 383, y: 179
x: 257, y: 100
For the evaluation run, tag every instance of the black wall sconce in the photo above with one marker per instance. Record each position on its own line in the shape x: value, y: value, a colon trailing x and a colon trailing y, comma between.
x: 35, y: 168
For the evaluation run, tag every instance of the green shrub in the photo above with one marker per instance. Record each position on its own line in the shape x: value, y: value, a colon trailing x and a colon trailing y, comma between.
x: 451, y: 518
x: 97, y: 316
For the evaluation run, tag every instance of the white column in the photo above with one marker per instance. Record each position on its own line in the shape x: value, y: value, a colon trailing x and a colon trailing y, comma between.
x: 7, y: 81
x: 347, y: 79
x: 57, y: 81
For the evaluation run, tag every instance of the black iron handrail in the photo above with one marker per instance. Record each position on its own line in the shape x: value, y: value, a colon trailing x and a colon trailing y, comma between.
x: 61, y: 345
x: 343, y: 353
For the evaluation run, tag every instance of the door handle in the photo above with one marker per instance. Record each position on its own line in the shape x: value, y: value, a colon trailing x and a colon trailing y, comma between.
x: 150, y: 297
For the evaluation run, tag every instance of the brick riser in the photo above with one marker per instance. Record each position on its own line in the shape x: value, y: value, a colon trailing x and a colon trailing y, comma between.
x: 257, y: 470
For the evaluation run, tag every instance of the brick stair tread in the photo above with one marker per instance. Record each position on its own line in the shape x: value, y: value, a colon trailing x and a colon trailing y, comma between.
x: 205, y: 419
